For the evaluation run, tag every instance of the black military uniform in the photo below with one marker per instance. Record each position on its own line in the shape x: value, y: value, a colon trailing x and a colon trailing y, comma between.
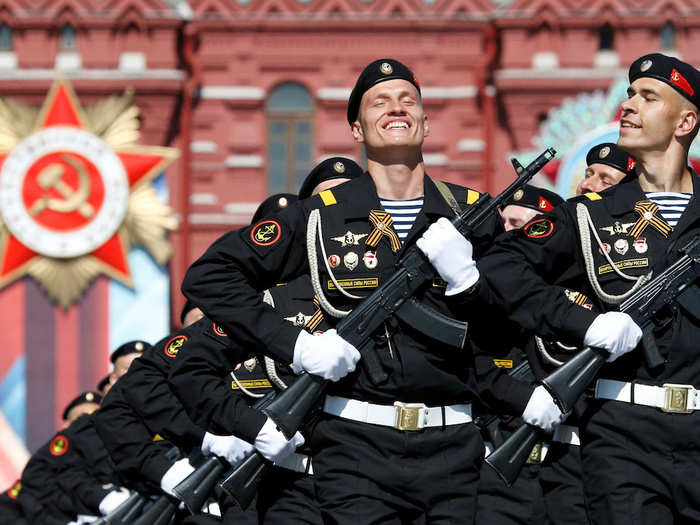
x: 640, y: 463
x: 352, y: 457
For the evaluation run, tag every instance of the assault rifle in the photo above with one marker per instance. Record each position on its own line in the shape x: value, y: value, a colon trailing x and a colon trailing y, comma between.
x: 393, y: 298
x: 569, y: 381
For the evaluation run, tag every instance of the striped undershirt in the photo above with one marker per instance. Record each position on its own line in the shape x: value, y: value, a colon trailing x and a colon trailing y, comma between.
x: 671, y: 204
x: 404, y: 214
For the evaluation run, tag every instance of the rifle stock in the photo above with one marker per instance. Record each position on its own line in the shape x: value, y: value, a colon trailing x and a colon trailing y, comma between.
x: 126, y: 513
x: 159, y: 512
x: 508, y: 459
x: 241, y: 483
x: 194, y: 490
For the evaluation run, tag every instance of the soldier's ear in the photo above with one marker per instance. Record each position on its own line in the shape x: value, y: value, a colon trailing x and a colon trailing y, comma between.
x: 426, y: 126
x: 688, y: 123
x: 357, y: 133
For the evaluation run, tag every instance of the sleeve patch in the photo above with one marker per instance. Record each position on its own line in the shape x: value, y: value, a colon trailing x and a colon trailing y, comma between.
x: 539, y: 228
x: 173, y: 346
x: 59, y: 445
x: 266, y: 233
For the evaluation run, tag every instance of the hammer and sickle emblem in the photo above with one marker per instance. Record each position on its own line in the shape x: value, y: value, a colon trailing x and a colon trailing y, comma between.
x: 73, y: 200
x: 265, y: 234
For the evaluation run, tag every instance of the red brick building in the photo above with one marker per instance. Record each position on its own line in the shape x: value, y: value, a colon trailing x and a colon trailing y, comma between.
x: 254, y: 92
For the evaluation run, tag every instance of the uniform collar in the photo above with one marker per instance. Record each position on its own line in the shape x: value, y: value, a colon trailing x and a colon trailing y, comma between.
x: 362, y: 198
x: 629, y: 191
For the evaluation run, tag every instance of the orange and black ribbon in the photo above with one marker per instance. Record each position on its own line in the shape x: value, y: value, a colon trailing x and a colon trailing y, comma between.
x: 315, y: 319
x: 649, y: 215
x: 382, y: 221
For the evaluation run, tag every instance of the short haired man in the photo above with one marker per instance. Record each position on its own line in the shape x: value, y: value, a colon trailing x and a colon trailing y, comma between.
x: 639, y: 451
x: 607, y: 165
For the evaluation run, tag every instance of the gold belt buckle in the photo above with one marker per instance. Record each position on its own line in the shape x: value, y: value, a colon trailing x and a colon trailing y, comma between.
x: 408, y: 416
x: 677, y: 398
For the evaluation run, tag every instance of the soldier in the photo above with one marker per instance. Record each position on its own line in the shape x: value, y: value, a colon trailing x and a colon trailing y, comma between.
x: 639, y: 444
x: 607, y: 165
x: 369, y: 466
x: 123, y: 356
x: 85, y: 403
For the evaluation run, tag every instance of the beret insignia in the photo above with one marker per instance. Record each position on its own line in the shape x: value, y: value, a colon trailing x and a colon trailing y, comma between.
x: 386, y: 68
x: 539, y: 228
x: 173, y: 346
x: 266, y: 233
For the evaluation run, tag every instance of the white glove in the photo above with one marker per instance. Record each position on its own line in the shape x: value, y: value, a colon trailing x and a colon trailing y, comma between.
x: 327, y: 355
x: 112, y: 500
x: 272, y: 444
x: 541, y: 410
x: 451, y: 255
x: 174, y: 475
x: 231, y: 448
x: 615, y: 332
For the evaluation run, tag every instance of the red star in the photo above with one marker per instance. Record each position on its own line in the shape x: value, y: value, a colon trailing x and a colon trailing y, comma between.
x: 141, y: 164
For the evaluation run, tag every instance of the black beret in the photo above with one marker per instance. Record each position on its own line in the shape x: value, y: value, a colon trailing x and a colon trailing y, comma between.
x: 85, y: 397
x: 103, y: 383
x: 272, y: 205
x: 329, y: 169
x: 610, y: 154
x: 378, y: 71
x: 539, y: 199
x: 681, y: 76
x: 132, y: 347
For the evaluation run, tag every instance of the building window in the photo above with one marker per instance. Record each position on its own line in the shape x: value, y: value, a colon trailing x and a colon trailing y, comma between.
x: 5, y: 37
x: 668, y: 37
x: 67, y: 39
x: 607, y: 38
x: 289, y: 137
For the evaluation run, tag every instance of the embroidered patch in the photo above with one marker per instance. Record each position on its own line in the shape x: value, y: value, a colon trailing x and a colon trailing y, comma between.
x: 266, y: 233
x: 621, y: 265
x: 59, y: 445
x: 173, y: 346
x: 251, y: 383
x: 539, y: 228
x: 439, y: 283
x: 218, y: 330
x: 349, y: 284
x: 14, y: 490
x: 299, y: 319
x: 503, y: 363
x: 545, y: 205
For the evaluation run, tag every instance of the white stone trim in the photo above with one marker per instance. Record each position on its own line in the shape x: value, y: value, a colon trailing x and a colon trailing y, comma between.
x: 208, y: 199
x: 561, y: 73
x: 331, y: 93
x: 244, y: 161
x: 203, y: 146
x: 606, y: 59
x: 219, y: 218
x: 232, y: 93
x: 545, y: 60
x: 471, y: 145
x: 8, y: 60
x: 68, y: 61
x: 241, y: 208
x: 435, y: 159
x: 132, y: 61
x: 92, y: 74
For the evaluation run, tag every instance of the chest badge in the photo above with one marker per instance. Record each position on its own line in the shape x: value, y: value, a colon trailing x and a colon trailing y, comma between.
x: 350, y: 260
x: 250, y: 364
x: 649, y: 216
x: 618, y: 228
x: 621, y: 246
x: 607, y: 248
x: 349, y: 239
x: 382, y: 222
x: 370, y: 260
x: 640, y: 245
x: 299, y: 319
x: 334, y: 260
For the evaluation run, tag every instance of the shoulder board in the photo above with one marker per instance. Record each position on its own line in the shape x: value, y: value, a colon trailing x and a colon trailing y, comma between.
x: 472, y: 196
x: 592, y: 196
x: 327, y: 197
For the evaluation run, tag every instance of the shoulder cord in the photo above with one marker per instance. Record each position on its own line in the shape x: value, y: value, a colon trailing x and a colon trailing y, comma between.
x: 243, y: 389
x: 313, y: 229
x: 585, y: 226
x: 269, y: 362
x: 547, y: 356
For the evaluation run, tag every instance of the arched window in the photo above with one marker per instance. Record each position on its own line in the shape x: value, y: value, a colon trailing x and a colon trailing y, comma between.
x: 668, y: 37
x: 67, y: 38
x: 607, y: 38
x: 5, y: 37
x: 289, y: 137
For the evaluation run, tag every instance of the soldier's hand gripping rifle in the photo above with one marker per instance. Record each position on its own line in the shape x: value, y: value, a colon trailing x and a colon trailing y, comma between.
x: 291, y: 406
x: 568, y: 382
